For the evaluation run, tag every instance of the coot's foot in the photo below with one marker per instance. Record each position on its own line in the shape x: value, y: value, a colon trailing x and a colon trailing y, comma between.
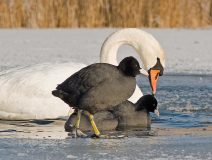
x: 108, y: 136
x: 77, y: 133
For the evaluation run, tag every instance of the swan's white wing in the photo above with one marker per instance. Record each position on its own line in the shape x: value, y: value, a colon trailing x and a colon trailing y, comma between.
x: 136, y: 95
x: 25, y: 93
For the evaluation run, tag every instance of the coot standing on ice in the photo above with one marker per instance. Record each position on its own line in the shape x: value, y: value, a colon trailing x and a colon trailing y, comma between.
x: 98, y: 87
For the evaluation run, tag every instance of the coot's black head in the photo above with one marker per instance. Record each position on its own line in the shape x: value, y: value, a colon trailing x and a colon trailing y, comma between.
x: 129, y: 66
x: 149, y: 103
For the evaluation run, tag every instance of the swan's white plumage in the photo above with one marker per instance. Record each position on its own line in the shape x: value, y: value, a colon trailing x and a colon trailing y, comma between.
x: 25, y: 92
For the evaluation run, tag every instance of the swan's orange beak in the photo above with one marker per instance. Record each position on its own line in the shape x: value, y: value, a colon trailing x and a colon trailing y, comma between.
x: 153, y: 78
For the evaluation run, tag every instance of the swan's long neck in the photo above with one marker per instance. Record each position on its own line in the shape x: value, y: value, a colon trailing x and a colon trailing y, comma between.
x: 145, y: 44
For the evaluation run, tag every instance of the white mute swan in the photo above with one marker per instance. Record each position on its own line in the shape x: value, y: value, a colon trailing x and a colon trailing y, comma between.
x: 25, y: 93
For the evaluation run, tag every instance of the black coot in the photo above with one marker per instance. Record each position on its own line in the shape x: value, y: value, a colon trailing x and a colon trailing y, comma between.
x: 136, y: 116
x: 99, y: 87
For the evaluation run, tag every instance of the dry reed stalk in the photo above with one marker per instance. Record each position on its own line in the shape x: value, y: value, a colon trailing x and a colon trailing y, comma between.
x: 105, y: 13
x: 72, y: 13
x: 4, y: 14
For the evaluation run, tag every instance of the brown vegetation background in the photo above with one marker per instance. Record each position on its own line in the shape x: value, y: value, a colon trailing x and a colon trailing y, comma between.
x: 105, y: 13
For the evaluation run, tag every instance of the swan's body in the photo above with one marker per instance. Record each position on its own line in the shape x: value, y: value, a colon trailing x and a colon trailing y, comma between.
x: 25, y: 93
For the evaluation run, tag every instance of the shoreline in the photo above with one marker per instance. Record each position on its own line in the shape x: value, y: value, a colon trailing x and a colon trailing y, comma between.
x: 55, y: 130
x: 200, y: 131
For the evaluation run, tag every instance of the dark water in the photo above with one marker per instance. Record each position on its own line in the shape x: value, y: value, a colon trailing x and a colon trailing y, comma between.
x: 184, y: 101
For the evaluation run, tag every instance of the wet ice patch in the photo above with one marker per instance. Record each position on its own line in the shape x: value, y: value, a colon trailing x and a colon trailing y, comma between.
x: 188, y: 108
x: 70, y: 156
x: 21, y: 154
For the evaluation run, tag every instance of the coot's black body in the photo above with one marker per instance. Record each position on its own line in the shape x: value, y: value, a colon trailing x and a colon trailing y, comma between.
x: 99, y: 86
x: 135, y: 116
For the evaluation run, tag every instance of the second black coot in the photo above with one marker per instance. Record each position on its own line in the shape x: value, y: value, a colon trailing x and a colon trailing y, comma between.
x: 136, y: 116
x: 125, y: 116
x: 99, y: 87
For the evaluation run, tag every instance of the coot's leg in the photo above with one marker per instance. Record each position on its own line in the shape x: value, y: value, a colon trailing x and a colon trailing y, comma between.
x: 74, y: 128
x: 93, y: 124
x: 97, y: 133
x: 79, y: 133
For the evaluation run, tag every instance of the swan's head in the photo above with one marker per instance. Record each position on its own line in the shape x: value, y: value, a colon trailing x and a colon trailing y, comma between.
x: 149, y: 103
x: 148, y: 48
x: 154, y: 72
x: 129, y: 66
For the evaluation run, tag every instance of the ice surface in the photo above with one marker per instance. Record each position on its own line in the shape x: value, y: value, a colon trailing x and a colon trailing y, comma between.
x: 157, y: 148
x: 187, y: 51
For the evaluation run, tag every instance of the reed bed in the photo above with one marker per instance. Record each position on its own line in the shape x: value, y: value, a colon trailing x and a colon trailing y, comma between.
x: 105, y: 13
